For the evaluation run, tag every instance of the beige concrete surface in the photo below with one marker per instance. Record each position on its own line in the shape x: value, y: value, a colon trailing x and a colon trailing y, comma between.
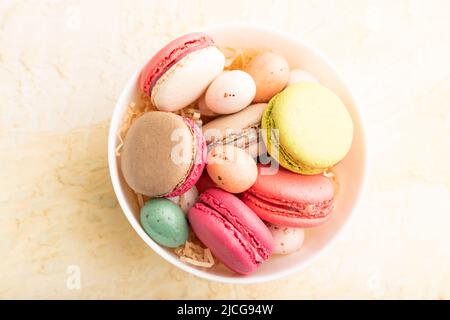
x: 62, y: 66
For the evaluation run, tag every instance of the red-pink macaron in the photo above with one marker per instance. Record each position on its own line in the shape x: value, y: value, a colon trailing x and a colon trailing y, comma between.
x: 233, y: 232
x: 204, y: 182
x: 180, y: 72
x: 291, y: 199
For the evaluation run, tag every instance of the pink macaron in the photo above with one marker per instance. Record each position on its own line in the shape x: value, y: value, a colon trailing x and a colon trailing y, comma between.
x: 233, y: 232
x: 180, y: 72
x: 291, y: 199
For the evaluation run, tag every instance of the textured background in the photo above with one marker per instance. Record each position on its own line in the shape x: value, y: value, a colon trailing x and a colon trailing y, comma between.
x: 62, y: 66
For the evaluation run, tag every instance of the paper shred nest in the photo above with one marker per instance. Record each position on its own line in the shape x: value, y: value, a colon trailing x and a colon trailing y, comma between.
x: 238, y: 59
x: 194, y: 253
x: 331, y: 175
x: 328, y: 174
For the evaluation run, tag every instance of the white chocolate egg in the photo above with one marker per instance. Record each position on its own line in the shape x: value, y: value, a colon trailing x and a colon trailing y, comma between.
x: 230, y: 92
x: 286, y: 239
x: 203, y: 108
x: 187, y: 200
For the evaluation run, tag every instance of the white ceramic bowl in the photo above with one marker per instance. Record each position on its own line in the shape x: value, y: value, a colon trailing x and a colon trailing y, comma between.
x: 351, y: 171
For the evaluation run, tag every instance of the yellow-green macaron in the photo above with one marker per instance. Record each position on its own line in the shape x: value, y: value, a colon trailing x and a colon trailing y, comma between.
x: 307, y: 128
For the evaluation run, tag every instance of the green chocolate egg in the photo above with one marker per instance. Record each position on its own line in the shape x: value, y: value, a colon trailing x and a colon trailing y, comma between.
x: 164, y: 222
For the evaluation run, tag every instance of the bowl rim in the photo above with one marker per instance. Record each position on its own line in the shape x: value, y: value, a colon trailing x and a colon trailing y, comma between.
x: 112, y: 162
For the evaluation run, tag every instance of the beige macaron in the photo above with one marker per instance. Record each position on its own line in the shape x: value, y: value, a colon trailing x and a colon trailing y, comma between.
x: 149, y: 162
x: 240, y: 129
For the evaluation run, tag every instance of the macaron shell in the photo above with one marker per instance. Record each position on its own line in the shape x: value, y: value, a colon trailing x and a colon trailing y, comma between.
x: 244, y: 219
x: 234, y: 234
x: 146, y: 159
x: 284, y: 217
x: 248, y: 117
x: 189, y: 78
x: 315, y: 130
x: 293, y: 187
x: 169, y: 55
x: 222, y: 239
x: 240, y: 129
x: 290, y: 199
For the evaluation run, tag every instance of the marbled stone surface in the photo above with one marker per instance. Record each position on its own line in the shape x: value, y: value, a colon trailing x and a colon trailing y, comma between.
x: 62, y: 66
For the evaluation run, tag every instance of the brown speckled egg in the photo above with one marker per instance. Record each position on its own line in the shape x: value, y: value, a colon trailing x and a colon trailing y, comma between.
x: 231, y: 168
x: 271, y: 74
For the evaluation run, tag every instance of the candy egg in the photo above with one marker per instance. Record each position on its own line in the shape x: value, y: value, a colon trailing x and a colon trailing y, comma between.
x: 164, y: 222
x: 286, y: 239
x: 270, y: 72
x: 203, y: 108
x: 231, y: 168
x: 186, y: 200
x: 230, y: 92
x: 299, y: 76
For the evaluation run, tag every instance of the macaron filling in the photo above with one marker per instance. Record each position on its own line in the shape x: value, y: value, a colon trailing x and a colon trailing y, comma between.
x: 198, y: 163
x: 294, y: 209
x: 172, y: 58
x: 261, y: 253
x: 243, y: 138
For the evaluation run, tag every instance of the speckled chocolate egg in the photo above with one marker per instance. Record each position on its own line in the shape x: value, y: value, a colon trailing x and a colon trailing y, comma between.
x: 300, y: 76
x: 231, y: 168
x: 270, y: 72
x: 164, y: 222
x: 286, y: 239
x: 187, y: 200
x: 230, y: 92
